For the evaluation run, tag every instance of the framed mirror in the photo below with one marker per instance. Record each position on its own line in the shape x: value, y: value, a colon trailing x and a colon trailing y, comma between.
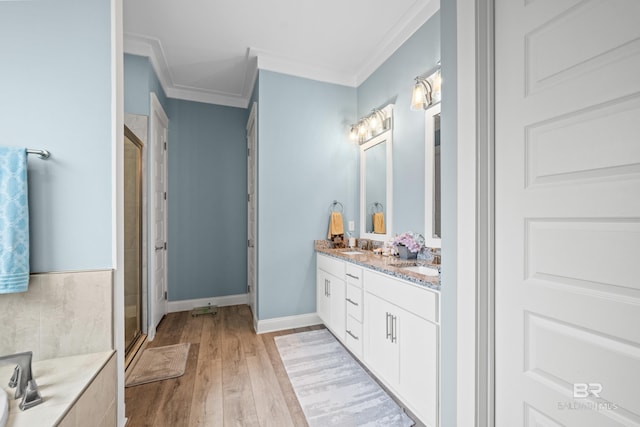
x: 376, y: 199
x: 432, y: 187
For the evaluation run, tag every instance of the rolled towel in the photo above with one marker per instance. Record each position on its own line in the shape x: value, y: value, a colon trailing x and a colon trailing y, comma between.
x: 335, y: 225
x: 378, y: 223
x: 14, y: 221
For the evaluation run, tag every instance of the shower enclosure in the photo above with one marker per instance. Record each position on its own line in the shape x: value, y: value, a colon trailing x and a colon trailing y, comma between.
x: 132, y: 239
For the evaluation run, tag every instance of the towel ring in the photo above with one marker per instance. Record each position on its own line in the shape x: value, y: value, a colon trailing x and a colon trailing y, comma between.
x: 334, y: 205
x: 376, y: 207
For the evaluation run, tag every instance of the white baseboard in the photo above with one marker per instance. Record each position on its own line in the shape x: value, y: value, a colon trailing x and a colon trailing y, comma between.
x: 288, y: 322
x: 190, y: 304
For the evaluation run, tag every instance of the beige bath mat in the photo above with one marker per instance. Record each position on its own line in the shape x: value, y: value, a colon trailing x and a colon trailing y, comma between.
x: 158, y: 364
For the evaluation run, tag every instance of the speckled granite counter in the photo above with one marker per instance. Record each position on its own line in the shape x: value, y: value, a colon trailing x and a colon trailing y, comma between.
x: 384, y: 264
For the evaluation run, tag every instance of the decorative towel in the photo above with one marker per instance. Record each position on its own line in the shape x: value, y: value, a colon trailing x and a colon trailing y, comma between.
x: 335, y: 225
x: 378, y: 223
x: 14, y: 221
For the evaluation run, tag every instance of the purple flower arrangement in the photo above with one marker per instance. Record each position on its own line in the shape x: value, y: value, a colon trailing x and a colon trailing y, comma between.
x: 413, y: 241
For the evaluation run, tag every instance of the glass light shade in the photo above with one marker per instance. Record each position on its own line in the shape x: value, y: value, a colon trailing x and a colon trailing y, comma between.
x: 418, y: 98
x: 353, y: 133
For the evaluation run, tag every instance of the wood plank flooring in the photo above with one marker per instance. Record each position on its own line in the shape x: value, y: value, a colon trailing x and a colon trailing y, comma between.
x: 233, y: 376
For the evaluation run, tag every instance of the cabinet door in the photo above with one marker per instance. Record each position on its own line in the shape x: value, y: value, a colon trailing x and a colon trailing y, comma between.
x: 337, y: 295
x: 418, y: 341
x: 380, y: 353
x: 322, y: 297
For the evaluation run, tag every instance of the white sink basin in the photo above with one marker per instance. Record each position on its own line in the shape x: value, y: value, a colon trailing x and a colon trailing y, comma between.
x: 421, y: 269
x: 352, y: 253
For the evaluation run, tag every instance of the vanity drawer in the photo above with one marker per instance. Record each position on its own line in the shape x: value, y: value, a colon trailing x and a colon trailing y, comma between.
x: 416, y: 299
x: 354, y: 274
x: 354, y: 302
x: 331, y: 265
x: 354, y: 336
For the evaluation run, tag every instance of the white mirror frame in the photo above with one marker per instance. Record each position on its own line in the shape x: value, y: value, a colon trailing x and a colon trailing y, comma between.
x: 429, y: 178
x: 388, y: 220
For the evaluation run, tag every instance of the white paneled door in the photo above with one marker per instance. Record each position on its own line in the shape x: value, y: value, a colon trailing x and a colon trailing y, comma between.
x: 159, y: 124
x: 567, y: 213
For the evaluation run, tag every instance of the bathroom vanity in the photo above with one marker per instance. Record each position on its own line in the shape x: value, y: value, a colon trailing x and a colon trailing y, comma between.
x: 388, y: 315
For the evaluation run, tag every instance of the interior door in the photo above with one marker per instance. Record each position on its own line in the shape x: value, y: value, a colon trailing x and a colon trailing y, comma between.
x: 158, y: 259
x: 567, y: 213
x: 251, y: 213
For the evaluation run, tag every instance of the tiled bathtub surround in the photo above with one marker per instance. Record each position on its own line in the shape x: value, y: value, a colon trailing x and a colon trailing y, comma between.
x: 62, y: 314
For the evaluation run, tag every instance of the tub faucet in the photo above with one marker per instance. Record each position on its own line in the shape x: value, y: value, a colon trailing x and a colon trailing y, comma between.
x: 22, y: 379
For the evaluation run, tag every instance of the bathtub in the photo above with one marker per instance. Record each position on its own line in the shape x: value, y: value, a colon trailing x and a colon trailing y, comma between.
x: 72, y: 388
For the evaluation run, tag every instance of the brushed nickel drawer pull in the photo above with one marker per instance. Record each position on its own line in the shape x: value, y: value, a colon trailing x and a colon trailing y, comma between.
x: 352, y: 336
x: 352, y: 302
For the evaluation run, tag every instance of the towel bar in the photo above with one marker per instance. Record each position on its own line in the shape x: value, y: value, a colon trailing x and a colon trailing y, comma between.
x: 43, y: 154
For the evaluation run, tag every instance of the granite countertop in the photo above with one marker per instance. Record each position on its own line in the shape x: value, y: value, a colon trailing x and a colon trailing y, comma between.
x: 60, y: 382
x: 385, y: 264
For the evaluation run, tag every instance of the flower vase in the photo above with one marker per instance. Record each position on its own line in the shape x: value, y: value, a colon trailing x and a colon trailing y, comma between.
x: 405, y: 253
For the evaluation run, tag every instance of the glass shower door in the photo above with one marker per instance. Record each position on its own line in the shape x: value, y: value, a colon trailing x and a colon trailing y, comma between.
x: 132, y: 239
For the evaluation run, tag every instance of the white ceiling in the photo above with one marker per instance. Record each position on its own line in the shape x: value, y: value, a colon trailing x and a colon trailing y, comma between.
x: 208, y: 50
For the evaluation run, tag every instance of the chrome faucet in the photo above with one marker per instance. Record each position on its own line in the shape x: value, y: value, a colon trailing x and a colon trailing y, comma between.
x: 22, y: 379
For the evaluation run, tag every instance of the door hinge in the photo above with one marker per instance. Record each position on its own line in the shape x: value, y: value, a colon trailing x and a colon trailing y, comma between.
x: 165, y: 295
x: 165, y: 146
x: 165, y: 195
x: 165, y: 246
x: 248, y: 197
x: 248, y: 152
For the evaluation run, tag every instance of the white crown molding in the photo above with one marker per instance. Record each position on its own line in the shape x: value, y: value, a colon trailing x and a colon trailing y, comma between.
x: 287, y: 65
x: 413, y: 19
x: 190, y: 304
x: 410, y: 22
x: 136, y: 44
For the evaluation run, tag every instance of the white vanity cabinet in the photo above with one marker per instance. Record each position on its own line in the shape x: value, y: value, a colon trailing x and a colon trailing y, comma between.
x: 401, y: 341
x: 391, y: 325
x: 330, y: 294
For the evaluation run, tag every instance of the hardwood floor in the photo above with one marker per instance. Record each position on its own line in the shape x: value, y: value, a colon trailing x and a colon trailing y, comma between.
x: 233, y: 376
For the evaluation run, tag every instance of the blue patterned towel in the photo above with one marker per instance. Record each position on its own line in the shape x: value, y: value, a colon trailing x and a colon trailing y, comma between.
x: 14, y: 221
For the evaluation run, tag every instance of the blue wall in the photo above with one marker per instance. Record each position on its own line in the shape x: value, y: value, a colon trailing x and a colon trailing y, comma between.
x: 55, y: 94
x: 207, y: 200
x: 305, y: 161
x: 140, y: 80
x: 393, y: 82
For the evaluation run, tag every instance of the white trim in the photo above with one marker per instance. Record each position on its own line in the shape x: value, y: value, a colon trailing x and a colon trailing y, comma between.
x: 136, y: 44
x: 287, y: 65
x: 190, y: 304
x: 413, y: 19
x: 287, y: 322
x: 429, y: 176
x: 117, y: 202
x: 408, y: 24
x: 467, y: 286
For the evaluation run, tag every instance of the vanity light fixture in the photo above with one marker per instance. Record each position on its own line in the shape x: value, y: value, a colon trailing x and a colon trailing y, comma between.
x: 427, y: 90
x: 372, y: 125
